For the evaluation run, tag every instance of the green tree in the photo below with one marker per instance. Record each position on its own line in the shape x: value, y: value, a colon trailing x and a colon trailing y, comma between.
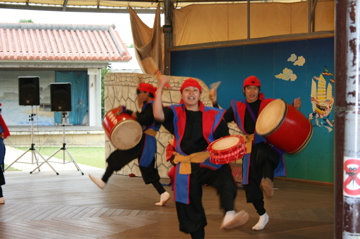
x: 26, y: 21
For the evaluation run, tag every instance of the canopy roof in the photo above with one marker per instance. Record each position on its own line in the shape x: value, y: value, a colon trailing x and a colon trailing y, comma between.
x: 116, y: 6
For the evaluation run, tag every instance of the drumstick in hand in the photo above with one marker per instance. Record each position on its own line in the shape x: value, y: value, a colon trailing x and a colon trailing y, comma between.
x: 150, y: 65
x: 215, y: 85
x: 212, y: 92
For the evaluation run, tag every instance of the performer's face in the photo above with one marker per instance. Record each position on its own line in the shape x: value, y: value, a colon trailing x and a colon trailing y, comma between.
x: 191, y: 96
x: 142, y: 97
x: 251, y: 93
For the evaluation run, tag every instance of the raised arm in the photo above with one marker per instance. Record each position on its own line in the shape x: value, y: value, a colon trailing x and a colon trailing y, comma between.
x: 297, y: 103
x: 157, y: 107
x: 213, y: 93
x: 213, y: 98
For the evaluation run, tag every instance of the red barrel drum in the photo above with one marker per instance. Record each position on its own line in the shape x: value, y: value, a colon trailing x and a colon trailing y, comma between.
x: 123, y: 131
x: 284, y: 126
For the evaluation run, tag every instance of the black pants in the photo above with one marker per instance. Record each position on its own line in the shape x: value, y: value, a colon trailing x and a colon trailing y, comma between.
x: 191, y: 216
x: 119, y: 158
x: 2, y: 178
x: 2, y: 159
x: 263, y: 161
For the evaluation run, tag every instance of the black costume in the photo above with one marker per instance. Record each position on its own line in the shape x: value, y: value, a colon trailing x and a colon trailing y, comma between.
x: 264, y: 159
x: 119, y: 158
x: 191, y: 214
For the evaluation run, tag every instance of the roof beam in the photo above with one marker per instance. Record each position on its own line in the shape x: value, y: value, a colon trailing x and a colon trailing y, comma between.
x: 74, y: 9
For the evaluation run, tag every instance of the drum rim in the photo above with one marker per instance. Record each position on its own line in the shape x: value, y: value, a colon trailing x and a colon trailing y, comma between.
x: 122, y: 122
x: 217, y: 140
x: 224, y: 138
x: 279, y: 123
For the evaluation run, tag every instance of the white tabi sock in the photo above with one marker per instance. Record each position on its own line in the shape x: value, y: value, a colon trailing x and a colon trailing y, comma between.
x: 263, y: 220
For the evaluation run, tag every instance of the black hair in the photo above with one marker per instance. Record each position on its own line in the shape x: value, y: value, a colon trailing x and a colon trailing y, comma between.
x: 150, y: 94
x: 244, y: 89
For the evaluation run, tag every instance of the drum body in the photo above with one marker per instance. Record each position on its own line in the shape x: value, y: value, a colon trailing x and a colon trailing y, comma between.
x: 284, y: 126
x: 227, y: 149
x: 123, y: 131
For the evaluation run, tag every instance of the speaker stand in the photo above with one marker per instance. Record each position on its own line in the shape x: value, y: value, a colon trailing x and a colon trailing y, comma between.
x: 63, y: 148
x: 34, y: 152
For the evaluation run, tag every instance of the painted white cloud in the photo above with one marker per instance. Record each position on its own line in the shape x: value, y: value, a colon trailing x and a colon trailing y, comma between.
x: 287, y: 75
x: 292, y: 58
x: 300, y: 61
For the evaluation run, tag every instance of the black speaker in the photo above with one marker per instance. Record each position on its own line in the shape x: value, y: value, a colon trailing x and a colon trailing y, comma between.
x: 60, y: 94
x: 29, y: 93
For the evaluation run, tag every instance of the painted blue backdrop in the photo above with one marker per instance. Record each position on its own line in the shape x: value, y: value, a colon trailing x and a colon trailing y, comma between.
x: 287, y: 70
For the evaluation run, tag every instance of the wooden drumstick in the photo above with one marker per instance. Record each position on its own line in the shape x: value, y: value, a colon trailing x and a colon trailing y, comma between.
x: 215, y: 85
x: 150, y: 65
x: 212, y: 92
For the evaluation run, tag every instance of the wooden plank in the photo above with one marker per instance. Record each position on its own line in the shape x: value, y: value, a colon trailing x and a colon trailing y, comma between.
x: 70, y: 206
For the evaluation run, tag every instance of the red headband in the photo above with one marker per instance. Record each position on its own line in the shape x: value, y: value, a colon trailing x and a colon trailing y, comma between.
x: 147, y: 88
x: 190, y: 82
x: 252, y: 80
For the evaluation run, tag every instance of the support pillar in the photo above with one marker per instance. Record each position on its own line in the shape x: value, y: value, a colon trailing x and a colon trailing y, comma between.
x: 347, y: 173
x: 167, y: 35
x: 94, y: 85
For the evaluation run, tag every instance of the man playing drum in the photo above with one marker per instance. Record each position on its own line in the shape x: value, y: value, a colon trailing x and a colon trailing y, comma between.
x: 194, y: 127
x: 265, y: 161
x: 145, y: 150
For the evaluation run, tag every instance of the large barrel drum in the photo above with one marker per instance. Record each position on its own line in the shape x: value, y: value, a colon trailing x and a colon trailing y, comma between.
x: 123, y: 131
x: 284, y: 126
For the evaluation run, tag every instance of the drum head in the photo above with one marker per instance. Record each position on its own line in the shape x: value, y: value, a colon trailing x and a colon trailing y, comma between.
x: 126, y: 135
x: 225, y: 143
x: 270, y: 117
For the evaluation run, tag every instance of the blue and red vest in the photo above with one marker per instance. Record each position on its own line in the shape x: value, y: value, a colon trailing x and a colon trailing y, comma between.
x: 211, y: 118
x: 149, y: 148
x: 239, y: 109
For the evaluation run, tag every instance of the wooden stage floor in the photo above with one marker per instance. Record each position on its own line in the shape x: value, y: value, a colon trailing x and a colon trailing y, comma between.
x: 69, y: 205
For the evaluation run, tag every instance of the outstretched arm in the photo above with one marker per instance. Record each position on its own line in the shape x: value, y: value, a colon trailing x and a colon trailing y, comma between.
x: 123, y: 109
x: 157, y: 107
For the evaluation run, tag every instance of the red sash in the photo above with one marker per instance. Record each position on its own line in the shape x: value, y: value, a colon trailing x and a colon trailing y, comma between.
x: 4, y: 126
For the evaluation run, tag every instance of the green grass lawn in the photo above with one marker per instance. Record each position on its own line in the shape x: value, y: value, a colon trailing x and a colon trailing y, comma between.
x: 91, y: 156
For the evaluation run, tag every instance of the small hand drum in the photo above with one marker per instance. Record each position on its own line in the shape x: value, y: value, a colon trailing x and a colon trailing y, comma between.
x: 227, y: 149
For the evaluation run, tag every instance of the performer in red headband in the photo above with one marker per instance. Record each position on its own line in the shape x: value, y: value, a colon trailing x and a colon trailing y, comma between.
x: 4, y: 133
x: 263, y: 162
x: 144, y: 151
x: 194, y: 127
